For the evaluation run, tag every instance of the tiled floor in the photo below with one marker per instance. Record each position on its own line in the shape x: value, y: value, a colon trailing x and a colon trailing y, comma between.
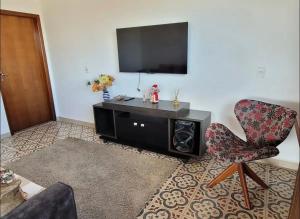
x: 38, y: 137
x: 184, y: 195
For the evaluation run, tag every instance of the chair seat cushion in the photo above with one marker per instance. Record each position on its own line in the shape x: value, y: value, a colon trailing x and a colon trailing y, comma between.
x: 229, y: 147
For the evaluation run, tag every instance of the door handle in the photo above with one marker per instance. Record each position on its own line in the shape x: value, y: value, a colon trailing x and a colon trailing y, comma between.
x: 2, y: 75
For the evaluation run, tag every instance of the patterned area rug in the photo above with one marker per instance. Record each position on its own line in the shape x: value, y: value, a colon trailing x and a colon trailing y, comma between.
x: 185, y: 194
x: 108, y: 181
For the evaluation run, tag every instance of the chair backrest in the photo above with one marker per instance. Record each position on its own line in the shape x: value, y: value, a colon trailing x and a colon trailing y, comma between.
x: 264, y: 124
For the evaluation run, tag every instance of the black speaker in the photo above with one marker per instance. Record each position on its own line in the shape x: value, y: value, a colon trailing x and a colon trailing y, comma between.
x: 184, y: 133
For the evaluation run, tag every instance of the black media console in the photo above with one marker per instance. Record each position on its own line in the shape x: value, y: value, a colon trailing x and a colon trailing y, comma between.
x: 149, y: 126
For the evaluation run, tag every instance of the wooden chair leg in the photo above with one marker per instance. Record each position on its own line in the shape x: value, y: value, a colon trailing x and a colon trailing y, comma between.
x: 226, y: 173
x: 244, y: 185
x: 242, y: 169
x: 253, y: 176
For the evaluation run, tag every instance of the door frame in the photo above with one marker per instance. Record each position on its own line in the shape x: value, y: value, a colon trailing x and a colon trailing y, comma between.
x: 41, y: 47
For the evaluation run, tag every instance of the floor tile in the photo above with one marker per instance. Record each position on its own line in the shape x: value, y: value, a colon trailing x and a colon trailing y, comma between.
x: 15, y: 143
x: 225, y: 200
x: 48, y: 140
x: 42, y: 129
x: 29, y: 147
x: 52, y: 130
x: 36, y: 136
x: 25, y: 134
x: 8, y: 155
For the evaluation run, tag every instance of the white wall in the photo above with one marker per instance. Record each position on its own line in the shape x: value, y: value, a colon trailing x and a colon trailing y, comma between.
x: 34, y: 7
x: 228, y: 41
x: 27, y: 6
x: 4, y: 128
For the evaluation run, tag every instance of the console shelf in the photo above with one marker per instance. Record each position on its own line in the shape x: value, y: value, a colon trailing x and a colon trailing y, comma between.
x: 149, y: 126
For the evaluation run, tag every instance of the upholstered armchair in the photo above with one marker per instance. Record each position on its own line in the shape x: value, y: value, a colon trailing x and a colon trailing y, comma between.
x: 265, y: 125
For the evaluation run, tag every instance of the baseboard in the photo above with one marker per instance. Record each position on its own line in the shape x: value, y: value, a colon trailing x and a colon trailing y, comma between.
x: 280, y: 163
x: 89, y: 124
x: 5, y: 135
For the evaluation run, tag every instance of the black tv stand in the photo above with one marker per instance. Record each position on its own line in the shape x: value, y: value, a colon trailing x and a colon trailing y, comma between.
x: 149, y: 126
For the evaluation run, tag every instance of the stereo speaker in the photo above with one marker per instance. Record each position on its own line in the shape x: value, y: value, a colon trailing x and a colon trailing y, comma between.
x: 184, y: 133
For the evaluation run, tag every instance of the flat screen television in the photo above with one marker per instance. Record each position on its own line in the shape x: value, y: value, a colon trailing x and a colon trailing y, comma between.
x: 153, y: 49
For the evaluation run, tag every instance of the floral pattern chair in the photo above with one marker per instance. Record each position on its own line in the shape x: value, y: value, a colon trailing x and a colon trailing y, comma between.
x: 265, y: 125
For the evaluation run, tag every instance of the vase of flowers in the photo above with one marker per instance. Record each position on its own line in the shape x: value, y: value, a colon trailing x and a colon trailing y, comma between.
x: 101, y: 84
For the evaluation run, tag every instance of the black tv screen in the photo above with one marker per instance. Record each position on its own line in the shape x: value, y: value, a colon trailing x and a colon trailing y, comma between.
x: 153, y: 49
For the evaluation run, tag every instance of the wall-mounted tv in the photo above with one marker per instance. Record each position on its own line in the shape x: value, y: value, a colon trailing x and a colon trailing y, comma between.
x: 153, y: 49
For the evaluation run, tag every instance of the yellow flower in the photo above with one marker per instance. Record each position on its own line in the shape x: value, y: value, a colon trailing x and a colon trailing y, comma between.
x: 101, y: 83
x: 111, y: 78
x: 106, y: 80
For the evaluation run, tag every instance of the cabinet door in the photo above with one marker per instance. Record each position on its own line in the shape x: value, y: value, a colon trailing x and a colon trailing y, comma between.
x: 143, y: 131
x: 153, y: 132
x: 128, y: 129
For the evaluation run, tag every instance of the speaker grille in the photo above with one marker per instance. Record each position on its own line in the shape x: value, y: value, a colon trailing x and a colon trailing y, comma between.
x: 184, y: 133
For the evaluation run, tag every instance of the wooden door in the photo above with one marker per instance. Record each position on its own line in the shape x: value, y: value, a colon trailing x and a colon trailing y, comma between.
x: 295, y: 207
x: 25, y: 84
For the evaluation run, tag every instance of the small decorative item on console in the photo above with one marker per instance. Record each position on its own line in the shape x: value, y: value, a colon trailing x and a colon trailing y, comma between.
x: 101, y: 84
x: 176, y: 101
x: 154, y: 93
x: 147, y: 94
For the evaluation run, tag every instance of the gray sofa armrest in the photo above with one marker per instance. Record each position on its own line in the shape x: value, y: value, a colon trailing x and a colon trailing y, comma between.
x: 56, y: 202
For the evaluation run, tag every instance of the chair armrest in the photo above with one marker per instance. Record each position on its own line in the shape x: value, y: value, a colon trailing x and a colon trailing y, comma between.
x: 57, y: 201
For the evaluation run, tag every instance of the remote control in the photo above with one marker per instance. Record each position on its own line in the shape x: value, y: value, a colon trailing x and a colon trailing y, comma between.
x: 128, y: 98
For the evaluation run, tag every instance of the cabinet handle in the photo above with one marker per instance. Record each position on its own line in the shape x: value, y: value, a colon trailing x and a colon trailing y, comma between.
x: 135, y: 123
x: 142, y: 125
